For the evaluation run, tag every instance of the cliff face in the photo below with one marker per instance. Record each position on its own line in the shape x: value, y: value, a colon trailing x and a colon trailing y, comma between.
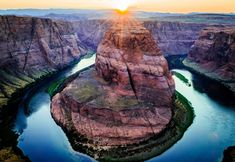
x: 127, y: 99
x: 213, y: 55
x: 173, y: 38
x: 31, y: 48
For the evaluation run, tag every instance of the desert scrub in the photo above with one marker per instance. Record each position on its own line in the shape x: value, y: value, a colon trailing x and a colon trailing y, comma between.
x: 85, y: 92
x: 88, y: 55
x: 7, y: 155
x: 182, y: 78
x: 184, y: 116
x: 55, y: 86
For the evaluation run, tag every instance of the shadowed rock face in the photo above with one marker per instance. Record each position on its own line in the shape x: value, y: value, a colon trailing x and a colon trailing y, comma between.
x: 127, y: 98
x: 213, y: 55
x: 33, y: 47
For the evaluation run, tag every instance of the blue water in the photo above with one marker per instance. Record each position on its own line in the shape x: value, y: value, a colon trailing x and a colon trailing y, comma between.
x: 41, y: 139
x: 211, y: 132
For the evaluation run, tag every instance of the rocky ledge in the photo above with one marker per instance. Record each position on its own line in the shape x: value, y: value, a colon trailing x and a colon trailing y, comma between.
x: 213, y: 55
x: 126, y: 99
x: 31, y: 48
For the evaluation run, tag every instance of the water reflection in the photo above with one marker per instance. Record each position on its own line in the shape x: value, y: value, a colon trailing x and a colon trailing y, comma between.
x: 216, y: 91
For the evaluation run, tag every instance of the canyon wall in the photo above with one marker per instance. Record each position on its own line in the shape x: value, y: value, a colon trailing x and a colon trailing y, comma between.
x: 31, y: 48
x: 173, y: 38
x: 213, y: 55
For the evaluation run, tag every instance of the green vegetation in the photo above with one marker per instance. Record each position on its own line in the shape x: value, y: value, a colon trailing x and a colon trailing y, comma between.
x: 119, y: 104
x: 3, y: 101
x: 7, y: 155
x: 88, y: 55
x: 86, y: 92
x: 182, y: 78
x: 184, y: 116
x: 126, y: 102
x: 55, y: 86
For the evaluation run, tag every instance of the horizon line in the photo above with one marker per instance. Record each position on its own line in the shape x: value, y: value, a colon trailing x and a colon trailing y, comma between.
x: 136, y: 10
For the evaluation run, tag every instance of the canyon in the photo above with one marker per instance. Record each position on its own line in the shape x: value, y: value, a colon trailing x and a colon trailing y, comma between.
x: 213, y: 55
x: 126, y: 99
x: 32, y: 48
x: 35, y: 47
x: 112, y: 94
x: 173, y: 38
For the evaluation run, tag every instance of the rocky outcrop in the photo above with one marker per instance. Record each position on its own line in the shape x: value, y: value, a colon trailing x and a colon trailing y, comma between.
x: 213, y: 55
x: 129, y: 56
x: 31, y: 48
x: 229, y: 154
x: 173, y: 38
x: 126, y: 99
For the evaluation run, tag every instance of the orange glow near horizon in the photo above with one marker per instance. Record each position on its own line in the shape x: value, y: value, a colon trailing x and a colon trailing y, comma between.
x: 122, y: 5
x: 177, y: 6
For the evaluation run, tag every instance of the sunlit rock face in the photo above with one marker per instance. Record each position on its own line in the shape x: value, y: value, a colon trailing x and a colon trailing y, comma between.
x: 213, y: 55
x: 129, y: 57
x: 126, y: 98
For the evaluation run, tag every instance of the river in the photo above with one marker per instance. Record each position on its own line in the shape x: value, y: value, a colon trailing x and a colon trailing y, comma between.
x: 41, y: 139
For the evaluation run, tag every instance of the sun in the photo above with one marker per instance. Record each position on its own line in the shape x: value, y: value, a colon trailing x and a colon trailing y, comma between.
x: 121, y: 5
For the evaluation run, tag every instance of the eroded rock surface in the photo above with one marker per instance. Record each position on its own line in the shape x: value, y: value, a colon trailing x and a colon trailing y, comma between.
x: 31, y: 48
x: 173, y: 38
x: 126, y: 98
x: 213, y: 55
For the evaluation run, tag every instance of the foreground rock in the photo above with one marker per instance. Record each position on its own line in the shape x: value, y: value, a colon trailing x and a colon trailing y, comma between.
x: 31, y: 48
x: 229, y: 154
x: 127, y: 99
x: 213, y: 55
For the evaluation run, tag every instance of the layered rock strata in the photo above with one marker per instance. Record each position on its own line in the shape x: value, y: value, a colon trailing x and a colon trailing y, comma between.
x: 173, y: 38
x: 213, y: 55
x: 127, y: 98
x: 31, y: 48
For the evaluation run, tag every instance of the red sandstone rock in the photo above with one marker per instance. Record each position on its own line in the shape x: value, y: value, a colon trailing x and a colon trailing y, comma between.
x: 213, y: 55
x: 127, y: 98
x: 32, y: 47
x: 129, y: 56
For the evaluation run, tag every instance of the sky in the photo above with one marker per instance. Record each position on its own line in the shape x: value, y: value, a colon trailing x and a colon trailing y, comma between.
x: 179, y: 6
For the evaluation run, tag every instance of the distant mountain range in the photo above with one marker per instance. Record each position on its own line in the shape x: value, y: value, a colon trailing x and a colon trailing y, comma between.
x: 84, y: 14
x: 43, y: 12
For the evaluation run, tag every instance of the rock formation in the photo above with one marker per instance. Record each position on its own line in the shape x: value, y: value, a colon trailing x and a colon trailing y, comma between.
x: 127, y: 98
x: 173, y: 38
x: 213, y: 55
x: 31, y: 48
x: 229, y: 154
